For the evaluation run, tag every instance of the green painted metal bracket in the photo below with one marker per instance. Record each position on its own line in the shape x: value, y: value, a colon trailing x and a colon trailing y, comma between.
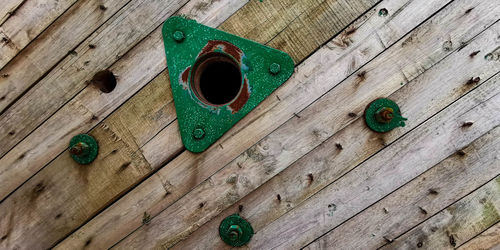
x: 235, y: 231
x: 383, y: 115
x: 83, y: 149
x: 217, y: 78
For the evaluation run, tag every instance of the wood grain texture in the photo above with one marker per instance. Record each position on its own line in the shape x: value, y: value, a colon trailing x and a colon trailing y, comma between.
x: 26, y: 24
x: 489, y: 239
x: 349, y: 147
x: 461, y: 221
x: 53, y: 45
x: 255, y: 166
x: 8, y: 8
x: 410, y: 156
x: 170, y: 137
x: 420, y: 200
x: 88, y: 189
x: 123, y: 31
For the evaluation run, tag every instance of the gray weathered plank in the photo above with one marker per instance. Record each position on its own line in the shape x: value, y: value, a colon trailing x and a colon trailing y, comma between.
x: 122, y: 32
x: 464, y: 219
x: 420, y: 100
x: 489, y: 239
x: 128, y: 220
x: 421, y: 199
x: 256, y: 166
x: 26, y: 24
x: 53, y: 45
x: 64, y: 195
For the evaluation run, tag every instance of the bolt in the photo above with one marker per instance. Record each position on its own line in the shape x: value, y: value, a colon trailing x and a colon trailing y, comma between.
x: 384, y: 115
x: 234, y: 232
x: 274, y: 68
x: 178, y: 36
x: 79, y: 149
x: 198, y: 133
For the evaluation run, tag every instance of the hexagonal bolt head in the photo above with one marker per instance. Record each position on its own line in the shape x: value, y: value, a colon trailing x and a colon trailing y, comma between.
x: 274, y: 68
x: 79, y: 149
x: 198, y: 133
x: 384, y: 115
x: 235, y: 232
x: 178, y: 36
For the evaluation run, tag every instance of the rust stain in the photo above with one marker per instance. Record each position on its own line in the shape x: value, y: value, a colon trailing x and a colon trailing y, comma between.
x: 227, y: 47
x: 242, y: 98
x: 185, y: 74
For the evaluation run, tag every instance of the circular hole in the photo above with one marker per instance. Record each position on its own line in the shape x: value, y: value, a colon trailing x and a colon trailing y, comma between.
x: 216, y: 79
x: 105, y: 80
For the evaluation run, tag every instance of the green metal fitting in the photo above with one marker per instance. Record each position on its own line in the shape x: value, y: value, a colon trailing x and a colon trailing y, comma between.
x: 178, y: 36
x: 217, y: 78
x: 198, y: 133
x: 83, y: 149
x: 235, y: 231
x: 274, y: 68
x: 383, y: 115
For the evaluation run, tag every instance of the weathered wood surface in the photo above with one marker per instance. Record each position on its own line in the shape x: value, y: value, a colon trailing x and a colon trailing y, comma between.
x: 438, y: 59
x: 27, y: 22
x: 294, y: 184
x: 461, y: 221
x: 56, y: 43
x: 159, y: 156
x: 489, y: 239
x: 423, y: 197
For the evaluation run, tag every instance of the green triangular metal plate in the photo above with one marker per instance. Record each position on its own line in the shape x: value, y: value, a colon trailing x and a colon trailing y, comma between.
x: 198, y: 57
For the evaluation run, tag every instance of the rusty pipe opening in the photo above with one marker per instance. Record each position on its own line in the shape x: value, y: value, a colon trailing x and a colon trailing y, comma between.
x: 216, y: 79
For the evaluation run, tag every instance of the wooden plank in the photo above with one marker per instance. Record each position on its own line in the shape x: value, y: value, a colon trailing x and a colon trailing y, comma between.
x: 259, y: 168
x: 8, y: 8
x: 64, y: 195
x: 128, y: 27
x: 460, y: 222
x: 489, y: 239
x: 424, y: 197
x: 26, y: 24
x: 118, y: 35
x: 416, y: 152
x: 52, y: 46
x: 294, y: 184
x: 80, y: 238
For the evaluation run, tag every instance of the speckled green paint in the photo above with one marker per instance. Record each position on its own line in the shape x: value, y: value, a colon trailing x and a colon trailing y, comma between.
x: 90, y: 154
x: 191, y: 112
x: 377, y: 105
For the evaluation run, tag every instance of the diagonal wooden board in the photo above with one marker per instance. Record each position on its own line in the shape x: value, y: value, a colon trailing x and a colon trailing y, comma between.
x: 89, y: 107
x: 481, y: 106
x: 110, y: 156
x: 489, y: 239
x: 458, y: 223
x: 421, y: 201
x: 420, y: 99
x: 26, y: 23
x: 254, y: 174
x: 53, y: 46
x: 146, y: 187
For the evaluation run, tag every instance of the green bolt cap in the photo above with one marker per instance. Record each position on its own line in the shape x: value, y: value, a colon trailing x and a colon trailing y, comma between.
x: 83, y: 149
x: 235, y: 231
x: 198, y: 133
x: 274, y: 68
x: 383, y: 115
x: 178, y: 36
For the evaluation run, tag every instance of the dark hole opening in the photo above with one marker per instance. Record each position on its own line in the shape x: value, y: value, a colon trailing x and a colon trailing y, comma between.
x: 105, y: 80
x: 217, y: 79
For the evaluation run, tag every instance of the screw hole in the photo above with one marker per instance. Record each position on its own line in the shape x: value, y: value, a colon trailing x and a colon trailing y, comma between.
x: 105, y: 80
x: 216, y: 79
